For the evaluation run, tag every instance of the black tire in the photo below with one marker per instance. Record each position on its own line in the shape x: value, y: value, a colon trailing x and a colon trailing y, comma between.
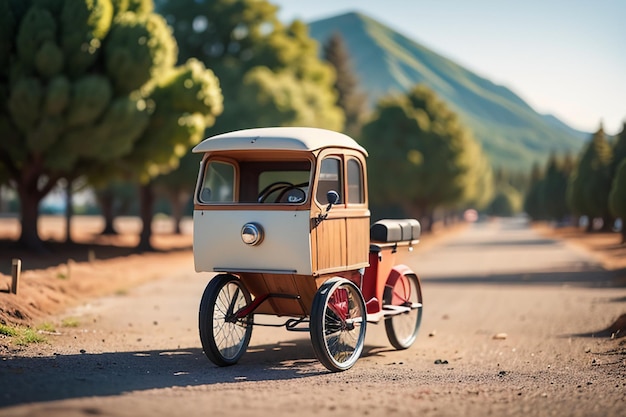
x: 224, y: 338
x: 338, y: 322
x: 402, y: 328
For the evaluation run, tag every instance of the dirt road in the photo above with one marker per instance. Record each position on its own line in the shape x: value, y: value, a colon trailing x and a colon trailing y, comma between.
x: 512, y: 326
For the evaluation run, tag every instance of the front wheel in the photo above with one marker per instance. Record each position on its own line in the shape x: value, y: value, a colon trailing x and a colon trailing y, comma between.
x: 338, y: 320
x: 404, y: 292
x: 224, y: 336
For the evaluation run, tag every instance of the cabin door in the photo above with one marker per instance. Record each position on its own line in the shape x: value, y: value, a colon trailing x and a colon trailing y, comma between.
x: 340, y: 236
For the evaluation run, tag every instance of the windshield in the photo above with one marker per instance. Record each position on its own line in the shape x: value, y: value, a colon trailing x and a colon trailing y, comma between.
x: 254, y: 182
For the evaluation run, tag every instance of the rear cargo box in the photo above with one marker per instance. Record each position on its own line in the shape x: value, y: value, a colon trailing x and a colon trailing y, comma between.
x: 392, y: 230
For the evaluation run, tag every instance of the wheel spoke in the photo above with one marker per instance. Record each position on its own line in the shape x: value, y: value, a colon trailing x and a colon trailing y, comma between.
x: 402, y: 328
x: 338, y: 341
x: 224, y: 338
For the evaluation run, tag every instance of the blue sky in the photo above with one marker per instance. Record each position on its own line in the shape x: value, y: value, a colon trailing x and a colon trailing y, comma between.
x: 567, y: 58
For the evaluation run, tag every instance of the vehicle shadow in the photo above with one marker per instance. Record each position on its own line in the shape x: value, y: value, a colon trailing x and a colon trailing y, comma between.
x: 615, y: 330
x: 60, y: 377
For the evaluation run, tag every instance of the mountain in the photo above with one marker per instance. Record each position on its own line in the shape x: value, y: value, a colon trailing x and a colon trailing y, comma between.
x: 512, y: 133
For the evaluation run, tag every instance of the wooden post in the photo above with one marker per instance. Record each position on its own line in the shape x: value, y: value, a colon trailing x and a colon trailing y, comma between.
x: 15, y: 274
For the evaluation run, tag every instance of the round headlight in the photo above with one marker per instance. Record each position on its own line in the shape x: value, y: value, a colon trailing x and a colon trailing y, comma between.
x: 252, y: 234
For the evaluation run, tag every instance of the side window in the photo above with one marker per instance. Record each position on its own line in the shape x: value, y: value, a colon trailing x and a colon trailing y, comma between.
x: 329, y: 178
x: 355, y: 182
x: 218, y: 184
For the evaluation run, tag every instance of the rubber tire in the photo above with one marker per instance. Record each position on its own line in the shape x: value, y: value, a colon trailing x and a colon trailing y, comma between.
x: 320, y: 322
x: 215, y: 302
x: 409, y: 322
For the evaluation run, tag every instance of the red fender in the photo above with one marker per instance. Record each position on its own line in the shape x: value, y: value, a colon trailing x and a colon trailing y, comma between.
x: 396, y: 272
x: 399, y: 285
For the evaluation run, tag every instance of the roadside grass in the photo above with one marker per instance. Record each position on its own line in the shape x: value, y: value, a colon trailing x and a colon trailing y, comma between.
x: 70, y: 322
x: 21, y: 336
x: 46, y: 327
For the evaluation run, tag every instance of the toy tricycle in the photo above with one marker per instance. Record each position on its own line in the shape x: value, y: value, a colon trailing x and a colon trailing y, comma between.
x: 281, y: 214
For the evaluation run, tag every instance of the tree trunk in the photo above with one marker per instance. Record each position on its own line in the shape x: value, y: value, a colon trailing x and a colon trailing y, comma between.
x: 106, y: 205
x: 146, y: 196
x: 428, y: 221
x: 29, y: 212
x: 69, y: 211
x: 31, y: 189
x: 177, y: 202
x: 607, y: 224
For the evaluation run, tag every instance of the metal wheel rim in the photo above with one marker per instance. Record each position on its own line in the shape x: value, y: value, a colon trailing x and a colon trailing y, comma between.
x: 343, y: 336
x: 229, y: 336
x: 405, y: 325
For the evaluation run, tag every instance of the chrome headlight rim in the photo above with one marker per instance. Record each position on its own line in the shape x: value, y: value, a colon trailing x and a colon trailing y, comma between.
x: 252, y: 234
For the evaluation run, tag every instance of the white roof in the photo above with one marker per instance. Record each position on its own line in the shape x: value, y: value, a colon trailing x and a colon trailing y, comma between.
x: 278, y: 138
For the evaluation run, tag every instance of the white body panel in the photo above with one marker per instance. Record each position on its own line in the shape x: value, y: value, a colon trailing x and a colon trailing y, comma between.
x: 286, y: 247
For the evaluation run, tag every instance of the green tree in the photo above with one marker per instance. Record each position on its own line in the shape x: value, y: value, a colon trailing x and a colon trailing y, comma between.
x: 590, y: 183
x: 617, y: 197
x: 187, y: 100
x: 82, y: 86
x: 619, y: 151
x: 507, y: 201
x: 115, y: 197
x: 481, y: 181
x: 420, y: 156
x: 349, y: 98
x: 553, y: 187
x: 270, y: 74
x: 178, y: 186
x: 532, y: 201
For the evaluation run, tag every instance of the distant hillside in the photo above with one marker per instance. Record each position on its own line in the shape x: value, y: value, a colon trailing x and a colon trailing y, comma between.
x: 511, y: 132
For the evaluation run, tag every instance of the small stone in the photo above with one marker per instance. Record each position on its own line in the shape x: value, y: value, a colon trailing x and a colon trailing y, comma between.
x: 432, y: 333
x: 500, y: 336
x: 441, y: 362
x: 83, y: 351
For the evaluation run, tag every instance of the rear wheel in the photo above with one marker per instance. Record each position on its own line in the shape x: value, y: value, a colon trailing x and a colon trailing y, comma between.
x: 405, y: 291
x: 338, y: 320
x: 224, y: 337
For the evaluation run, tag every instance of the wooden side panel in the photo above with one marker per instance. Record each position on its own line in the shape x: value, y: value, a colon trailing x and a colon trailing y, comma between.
x: 331, y: 243
x: 289, y: 286
x: 357, y: 240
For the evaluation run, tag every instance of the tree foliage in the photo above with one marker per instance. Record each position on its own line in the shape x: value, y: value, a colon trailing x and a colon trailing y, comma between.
x: 619, y: 151
x: 532, y: 201
x: 617, y: 196
x: 349, y: 98
x: 547, y: 197
x: 270, y: 74
x: 506, y: 202
x: 85, y: 88
x: 421, y: 157
x: 590, y: 183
